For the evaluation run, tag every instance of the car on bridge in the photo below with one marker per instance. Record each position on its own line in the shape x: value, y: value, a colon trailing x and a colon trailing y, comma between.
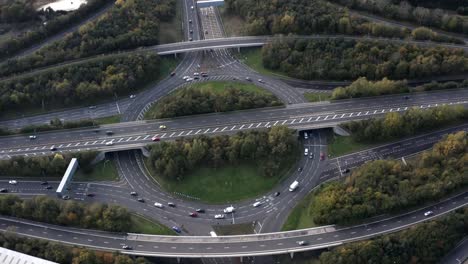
x: 155, y: 138
x: 127, y: 247
x: 134, y: 194
x: 257, y: 204
x: 302, y: 243
x: 193, y: 214
x: 199, y: 210
x: 12, y: 182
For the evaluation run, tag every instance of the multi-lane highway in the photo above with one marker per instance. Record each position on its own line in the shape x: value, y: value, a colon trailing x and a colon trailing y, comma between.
x: 133, y: 135
x: 207, y: 34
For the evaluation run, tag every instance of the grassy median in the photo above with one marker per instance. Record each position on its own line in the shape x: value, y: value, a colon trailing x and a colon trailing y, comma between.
x: 142, y: 225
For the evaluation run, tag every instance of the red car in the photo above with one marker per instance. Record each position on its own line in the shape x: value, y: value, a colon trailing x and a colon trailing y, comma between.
x: 193, y: 214
x: 322, y: 156
x: 155, y: 138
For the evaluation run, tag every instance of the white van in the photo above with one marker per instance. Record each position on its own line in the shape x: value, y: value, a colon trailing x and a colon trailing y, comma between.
x: 306, y: 151
x: 293, y: 186
x: 229, y: 209
x: 159, y: 205
x: 257, y: 204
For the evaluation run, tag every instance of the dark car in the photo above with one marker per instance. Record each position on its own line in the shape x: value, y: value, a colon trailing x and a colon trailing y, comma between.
x: 90, y: 194
x: 193, y: 214
x: 176, y: 229
x: 172, y: 73
x: 109, y: 133
x: 200, y: 210
x: 345, y: 170
x: 406, y: 97
x: 48, y: 187
x: 44, y: 183
x: 3, y: 190
x: 171, y: 204
x: 299, y: 169
x: 141, y: 200
x: 126, y: 247
x: 277, y: 194
x: 66, y: 197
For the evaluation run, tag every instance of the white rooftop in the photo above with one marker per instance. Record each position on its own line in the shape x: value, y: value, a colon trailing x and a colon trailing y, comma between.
x: 12, y: 257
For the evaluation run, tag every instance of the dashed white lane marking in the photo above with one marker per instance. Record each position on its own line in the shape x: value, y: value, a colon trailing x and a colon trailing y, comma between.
x: 232, y: 128
x: 198, y: 132
x: 146, y: 137
x: 224, y: 129
x: 172, y: 134
x: 206, y: 131
x: 128, y: 139
x: 181, y: 133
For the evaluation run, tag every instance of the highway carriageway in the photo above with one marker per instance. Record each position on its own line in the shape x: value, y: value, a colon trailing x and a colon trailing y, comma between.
x: 229, y: 246
x: 133, y: 135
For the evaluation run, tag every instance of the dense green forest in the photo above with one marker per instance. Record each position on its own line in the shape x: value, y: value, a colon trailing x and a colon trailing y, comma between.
x: 425, y: 243
x: 386, y: 186
x: 304, y: 17
x: 362, y: 87
x: 415, y: 120
x: 418, y: 14
x: 87, y: 82
x: 191, y: 101
x: 269, y: 149
x: 340, y: 59
x: 61, y: 253
x: 16, y: 11
x: 19, y: 10
x: 67, y: 213
x: 45, y: 166
x: 128, y: 24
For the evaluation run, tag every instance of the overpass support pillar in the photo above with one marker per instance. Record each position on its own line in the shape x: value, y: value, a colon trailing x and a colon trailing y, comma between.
x: 238, y: 49
x: 241, y: 259
x: 178, y: 260
x: 291, y: 254
x: 175, y: 55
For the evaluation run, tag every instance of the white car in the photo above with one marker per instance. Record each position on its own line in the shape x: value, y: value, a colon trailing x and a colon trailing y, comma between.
x: 301, y: 243
x: 185, y: 77
x: 219, y: 216
x: 257, y: 204
x: 189, y: 79
x: 132, y: 96
x: 110, y: 143
x: 306, y: 151
x: 32, y: 137
x: 306, y: 136
x: 229, y: 209
x: 196, y: 74
x: 428, y: 213
x: 260, y: 81
x: 158, y: 205
x: 13, y: 182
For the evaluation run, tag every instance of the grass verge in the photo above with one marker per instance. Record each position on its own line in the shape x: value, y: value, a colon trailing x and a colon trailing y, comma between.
x: 317, y: 97
x: 108, y: 120
x: 339, y: 145
x: 103, y: 171
x: 142, y: 225
x: 301, y: 216
x: 252, y: 57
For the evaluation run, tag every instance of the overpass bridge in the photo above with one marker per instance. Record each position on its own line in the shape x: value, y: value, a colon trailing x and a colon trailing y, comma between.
x: 137, y: 134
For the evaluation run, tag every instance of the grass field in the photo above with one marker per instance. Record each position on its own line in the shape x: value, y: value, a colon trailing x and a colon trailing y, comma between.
x: 317, y: 97
x: 103, y: 171
x: 222, y: 185
x: 171, y: 31
x: 253, y: 58
x: 300, y: 217
x: 227, y: 184
x: 144, y: 226
x: 215, y: 87
x: 338, y: 145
